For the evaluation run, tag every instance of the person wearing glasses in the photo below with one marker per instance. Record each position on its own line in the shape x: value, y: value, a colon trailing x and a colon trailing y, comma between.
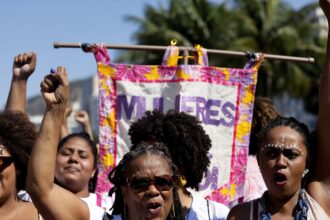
x: 17, y: 135
x: 144, y: 184
x: 189, y: 146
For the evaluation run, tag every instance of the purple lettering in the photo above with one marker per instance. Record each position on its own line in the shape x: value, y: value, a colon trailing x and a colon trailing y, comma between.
x: 185, y: 100
x: 136, y: 101
x: 228, y: 109
x: 177, y: 103
x: 210, y: 179
x: 158, y: 103
x: 209, y: 112
x: 200, y: 108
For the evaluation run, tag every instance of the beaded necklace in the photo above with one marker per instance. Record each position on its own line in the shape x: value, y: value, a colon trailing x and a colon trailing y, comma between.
x: 302, y: 207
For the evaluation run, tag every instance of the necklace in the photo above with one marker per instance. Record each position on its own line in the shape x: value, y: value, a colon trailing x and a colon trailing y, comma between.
x: 302, y: 207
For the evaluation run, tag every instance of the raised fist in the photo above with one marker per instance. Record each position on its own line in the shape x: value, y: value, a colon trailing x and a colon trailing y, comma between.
x: 55, y: 88
x: 82, y: 117
x: 24, y: 65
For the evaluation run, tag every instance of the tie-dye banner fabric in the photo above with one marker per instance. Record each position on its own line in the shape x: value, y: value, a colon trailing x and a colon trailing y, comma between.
x: 221, y: 98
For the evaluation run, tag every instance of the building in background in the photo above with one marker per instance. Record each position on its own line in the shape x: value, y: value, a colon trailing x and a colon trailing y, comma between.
x: 318, y: 17
x: 84, y: 96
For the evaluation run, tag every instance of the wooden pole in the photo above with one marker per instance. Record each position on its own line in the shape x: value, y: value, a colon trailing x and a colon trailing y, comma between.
x: 190, y: 49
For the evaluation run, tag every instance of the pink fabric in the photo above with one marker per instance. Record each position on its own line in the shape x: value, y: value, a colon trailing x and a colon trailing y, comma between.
x: 111, y: 75
x: 254, y: 183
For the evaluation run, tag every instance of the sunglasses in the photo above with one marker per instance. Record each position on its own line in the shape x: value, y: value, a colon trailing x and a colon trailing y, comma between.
x: 141, y: 184
x: 5, y: 161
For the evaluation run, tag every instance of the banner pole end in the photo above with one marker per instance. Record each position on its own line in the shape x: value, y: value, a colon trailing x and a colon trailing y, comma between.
x: 55, y: 45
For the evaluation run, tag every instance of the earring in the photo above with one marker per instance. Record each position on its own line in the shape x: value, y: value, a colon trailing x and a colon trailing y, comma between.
x: 305, y: 172
x: 183, y: 180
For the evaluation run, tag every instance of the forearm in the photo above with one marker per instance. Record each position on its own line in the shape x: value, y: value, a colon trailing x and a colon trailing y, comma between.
x: 324, y: 92
x: 41, y: 169
x: 64, y: 129
x: 323, y: 132
x: 17, y: 96
x: 88, y: 129
x: 52, y: 201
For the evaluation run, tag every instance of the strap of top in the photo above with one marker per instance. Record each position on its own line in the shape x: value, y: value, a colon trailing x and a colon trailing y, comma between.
x: 208, y: 209
x: 254, y: 210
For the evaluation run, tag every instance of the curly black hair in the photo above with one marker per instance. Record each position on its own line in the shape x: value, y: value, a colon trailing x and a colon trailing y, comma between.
x: 118, y: 177
x: 17, y: 134
x: 183, y: 134
x: 263, y: 112
x: 85, y: 136
x: 148, y: 128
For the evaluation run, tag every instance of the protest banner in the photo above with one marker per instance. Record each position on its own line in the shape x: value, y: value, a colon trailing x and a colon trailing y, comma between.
x: 221, y: 98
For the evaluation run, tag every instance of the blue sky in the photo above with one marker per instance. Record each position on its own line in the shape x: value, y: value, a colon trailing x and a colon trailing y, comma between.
x: 35, y: 25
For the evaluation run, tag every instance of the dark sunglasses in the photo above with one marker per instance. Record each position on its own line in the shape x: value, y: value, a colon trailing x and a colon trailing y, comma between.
x: 162, y: 183
x: 5, y: 161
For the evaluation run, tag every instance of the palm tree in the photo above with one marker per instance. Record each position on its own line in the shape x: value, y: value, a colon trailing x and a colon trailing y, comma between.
x: 269, y: 26
x: 190, y: 22
x: 280, y: 30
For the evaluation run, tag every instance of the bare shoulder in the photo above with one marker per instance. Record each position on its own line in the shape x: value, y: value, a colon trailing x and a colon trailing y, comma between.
x: 240, y: 211
x: 320, y: 192
x: 26, y: 210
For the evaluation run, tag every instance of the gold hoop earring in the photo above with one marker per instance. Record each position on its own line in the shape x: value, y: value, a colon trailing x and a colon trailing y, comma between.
x: 183, y: 180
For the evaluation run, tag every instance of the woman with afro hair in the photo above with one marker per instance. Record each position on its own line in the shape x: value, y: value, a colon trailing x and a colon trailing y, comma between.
x: 17, y: 135
x: 188, y: 145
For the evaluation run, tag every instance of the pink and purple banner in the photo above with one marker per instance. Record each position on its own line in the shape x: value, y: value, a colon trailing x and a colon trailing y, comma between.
x: 221, y: 98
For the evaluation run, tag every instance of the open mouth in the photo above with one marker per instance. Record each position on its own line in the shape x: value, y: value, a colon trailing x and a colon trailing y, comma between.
x: 154, y: 208
x: 280, y: 179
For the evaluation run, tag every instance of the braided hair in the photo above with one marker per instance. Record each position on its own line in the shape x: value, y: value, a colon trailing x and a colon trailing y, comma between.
x: 302, y: 204
x: 118, y: 177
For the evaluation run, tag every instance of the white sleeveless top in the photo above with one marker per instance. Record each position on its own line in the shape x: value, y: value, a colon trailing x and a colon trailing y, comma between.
x: 95, y: 212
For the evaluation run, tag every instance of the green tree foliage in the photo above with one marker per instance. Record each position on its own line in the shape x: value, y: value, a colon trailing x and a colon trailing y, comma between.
x: 269, y: 26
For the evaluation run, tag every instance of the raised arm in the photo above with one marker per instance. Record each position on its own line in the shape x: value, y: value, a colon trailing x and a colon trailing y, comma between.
x: 323, y: 131
x: 23, y: 66
x: 52, y: 201
x: 64, y: 128
x: 319, y: 184
x: 83, y: 118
